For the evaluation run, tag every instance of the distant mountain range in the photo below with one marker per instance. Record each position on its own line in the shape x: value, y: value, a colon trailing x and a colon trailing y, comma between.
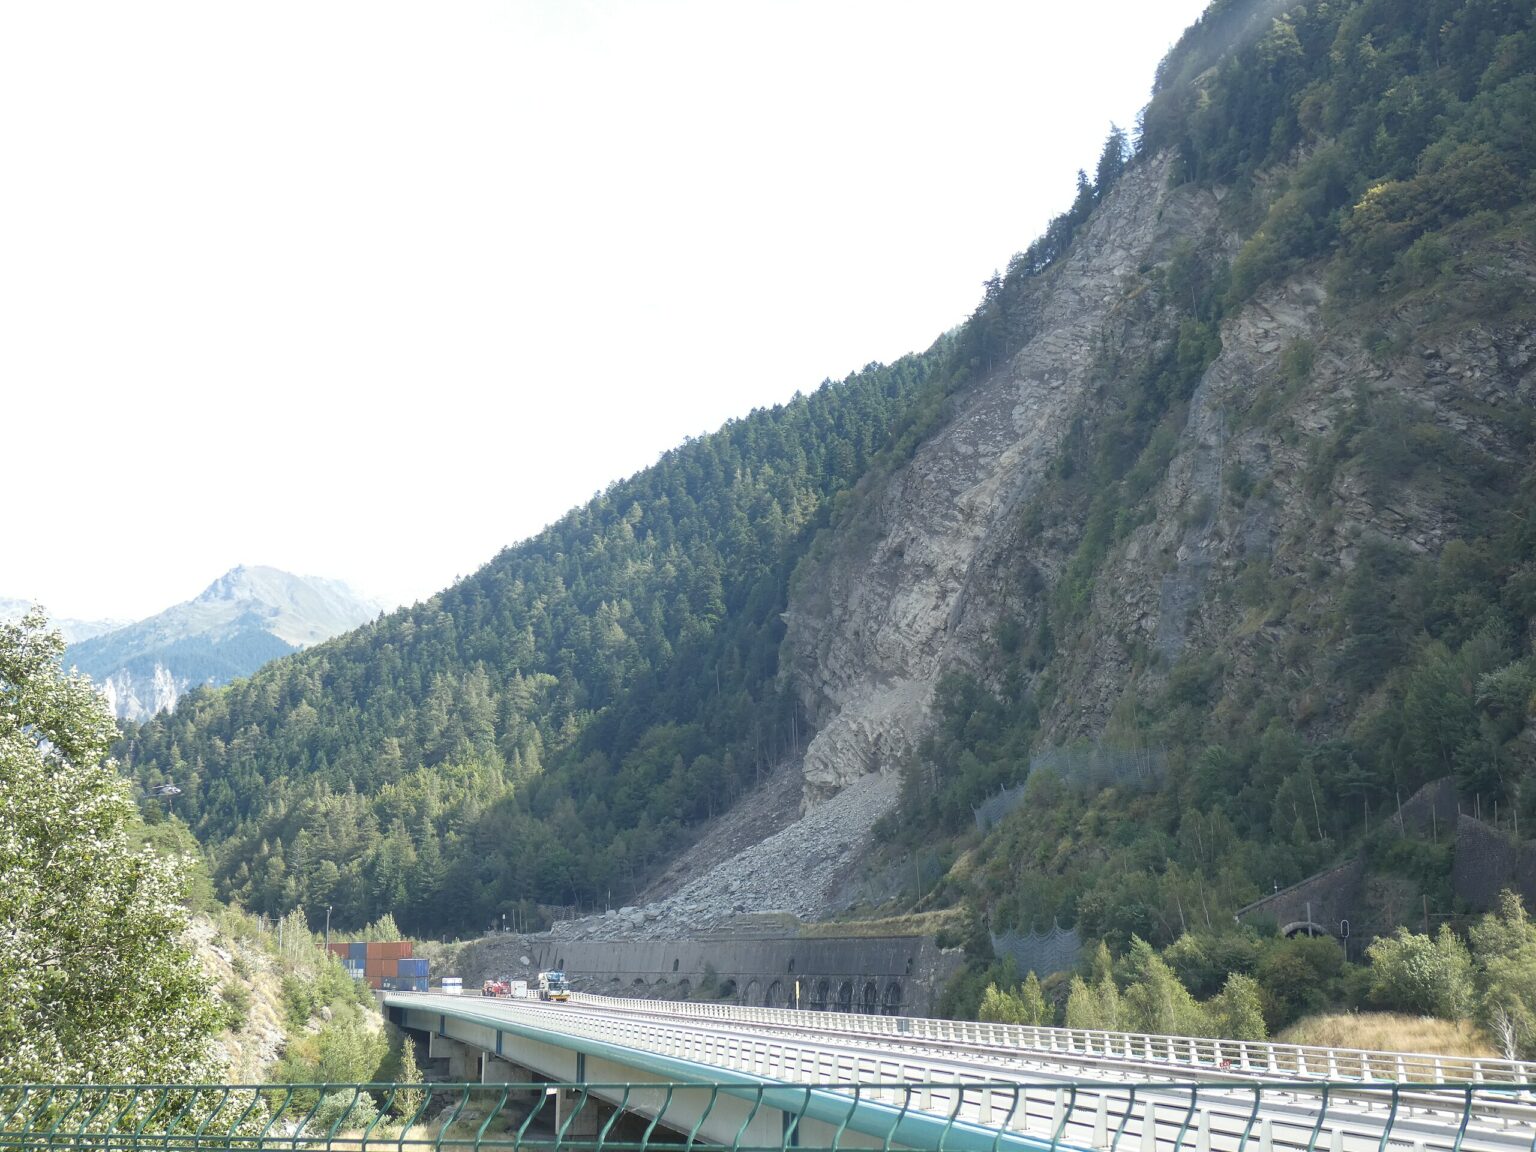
x: 73, y: 631
x: 246, y: 617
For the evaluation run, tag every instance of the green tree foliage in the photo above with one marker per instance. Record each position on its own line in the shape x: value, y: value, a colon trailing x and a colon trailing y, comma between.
x: 1419, y: 974
x: 1155, y: 1001
x: 546, y: 730
x: 1026, y: 1005
x: 408, y: 1101
x: 99, y: 985
x: 1504, y: 954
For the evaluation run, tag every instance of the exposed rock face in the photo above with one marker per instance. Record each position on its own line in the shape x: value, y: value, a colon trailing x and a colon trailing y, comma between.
x: 919, y: 583
x: 933, y: 556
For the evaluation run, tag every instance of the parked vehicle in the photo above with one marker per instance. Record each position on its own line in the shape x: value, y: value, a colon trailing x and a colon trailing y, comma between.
x: 495, y: 988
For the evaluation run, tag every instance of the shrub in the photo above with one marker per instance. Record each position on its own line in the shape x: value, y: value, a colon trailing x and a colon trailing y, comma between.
x: 1412, y: 973
x: 352, y: 1111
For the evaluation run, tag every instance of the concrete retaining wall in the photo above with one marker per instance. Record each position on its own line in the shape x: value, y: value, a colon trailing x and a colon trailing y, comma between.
x: 898, y: 975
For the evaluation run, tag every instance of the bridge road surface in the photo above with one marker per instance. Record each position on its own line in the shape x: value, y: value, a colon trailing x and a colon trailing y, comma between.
x: 1091, y: 1094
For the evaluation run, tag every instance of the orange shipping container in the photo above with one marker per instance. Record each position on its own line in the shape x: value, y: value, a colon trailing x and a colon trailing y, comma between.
x: 381, y: 967
x: 339, y: 949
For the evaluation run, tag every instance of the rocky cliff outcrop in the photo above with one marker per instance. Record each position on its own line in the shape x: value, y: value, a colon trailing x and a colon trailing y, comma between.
x: 925, y: 569
x: 969, y: 532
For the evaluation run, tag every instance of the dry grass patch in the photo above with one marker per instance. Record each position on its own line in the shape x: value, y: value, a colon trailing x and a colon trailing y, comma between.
x: 1390, y: 1032
x: 916, y: 924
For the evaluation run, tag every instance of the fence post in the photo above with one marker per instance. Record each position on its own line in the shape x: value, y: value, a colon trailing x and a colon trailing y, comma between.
x: 1149, y: 1128
x: 1101, y: 1123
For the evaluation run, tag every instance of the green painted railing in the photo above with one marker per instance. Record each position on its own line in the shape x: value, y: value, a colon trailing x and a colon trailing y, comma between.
x: 756, y: 1116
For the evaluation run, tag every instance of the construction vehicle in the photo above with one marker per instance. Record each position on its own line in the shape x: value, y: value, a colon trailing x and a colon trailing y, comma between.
x: 495, y: 988
x: 554, y: 986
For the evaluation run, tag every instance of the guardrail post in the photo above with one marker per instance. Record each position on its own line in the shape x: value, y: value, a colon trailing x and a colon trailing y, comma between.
x: 1336, y: 1141
x: 1101, y: 1123
x: 1059, y: 1112
x: 1267, y: 1136
x: 1203, y: 1132
x: 1149, y: 1128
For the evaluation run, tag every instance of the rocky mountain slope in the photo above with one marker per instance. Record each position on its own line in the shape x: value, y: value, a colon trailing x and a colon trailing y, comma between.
x: 1211, y: 532
x: 246, y: 617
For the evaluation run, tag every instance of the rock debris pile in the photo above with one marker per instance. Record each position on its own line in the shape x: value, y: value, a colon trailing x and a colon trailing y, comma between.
x: 795, y: 870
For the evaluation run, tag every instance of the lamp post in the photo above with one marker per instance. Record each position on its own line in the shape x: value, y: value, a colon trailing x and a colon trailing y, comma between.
x: 327, y: 927
x: 503, y: 923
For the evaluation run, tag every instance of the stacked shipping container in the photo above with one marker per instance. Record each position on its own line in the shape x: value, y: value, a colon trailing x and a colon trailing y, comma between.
x: 385, y: 964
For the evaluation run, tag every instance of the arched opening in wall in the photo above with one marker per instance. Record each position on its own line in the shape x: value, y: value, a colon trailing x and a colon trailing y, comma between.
x: 560, y: 963
x: 727, y: 990
x: 674, y: 964
x: 750, y: 994
x: 819, y: 995
x: 774, y: 997
x: 791, y: 963
x: 871, y: 998
x: 845, y: 996
x: 683, y: 990
x: 660, y: 990
x: 638, y: 984
x: 892, y: 1004
x: 1304, y: 928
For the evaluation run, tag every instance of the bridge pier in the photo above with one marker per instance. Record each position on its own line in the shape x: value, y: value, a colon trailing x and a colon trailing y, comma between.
x: 588, y: 1121
x: 463, y: 1059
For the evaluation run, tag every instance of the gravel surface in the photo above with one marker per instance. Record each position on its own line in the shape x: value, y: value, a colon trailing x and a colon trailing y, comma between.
x: 736, y: 870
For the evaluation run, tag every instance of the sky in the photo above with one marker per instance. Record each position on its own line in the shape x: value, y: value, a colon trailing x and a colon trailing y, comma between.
x: 373, y: 290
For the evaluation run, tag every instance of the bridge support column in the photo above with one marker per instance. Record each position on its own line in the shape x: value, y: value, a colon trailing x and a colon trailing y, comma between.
x: 463, y: 1060
x: 587, y: 1122
x: 495, y: 1070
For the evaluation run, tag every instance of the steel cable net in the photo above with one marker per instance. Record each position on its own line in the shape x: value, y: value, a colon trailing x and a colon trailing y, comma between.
x: 756, y: 1114
x: 1042, y: 953
x: 1087, y: 767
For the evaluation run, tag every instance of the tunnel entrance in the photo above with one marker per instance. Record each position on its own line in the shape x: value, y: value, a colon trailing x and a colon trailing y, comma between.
x: 774, y: 997
x: 819, y: 994
x: 892, y: 1004
x: 753, y: 990
x: 845, y: 996
x: 871, y: 998
x: 684, y: 989
x: 727, y: 990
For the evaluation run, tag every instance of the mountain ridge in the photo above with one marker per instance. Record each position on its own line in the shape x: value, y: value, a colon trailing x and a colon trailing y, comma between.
x: 1230, y: 474
x: 243, y: 619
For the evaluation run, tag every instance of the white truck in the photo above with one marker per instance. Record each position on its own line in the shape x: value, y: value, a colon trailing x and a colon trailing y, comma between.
x: 554, y: 986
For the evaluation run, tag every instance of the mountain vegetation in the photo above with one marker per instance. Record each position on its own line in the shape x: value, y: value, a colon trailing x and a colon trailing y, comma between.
x: 544, y: 730
x: 1380, y: 149
x: 549, y: 729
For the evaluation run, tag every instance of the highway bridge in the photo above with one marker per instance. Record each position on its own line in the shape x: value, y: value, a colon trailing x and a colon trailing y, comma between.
x: 823, y: 1079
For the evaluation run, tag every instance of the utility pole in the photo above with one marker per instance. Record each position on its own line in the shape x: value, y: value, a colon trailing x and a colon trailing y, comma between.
x: 327, y: 927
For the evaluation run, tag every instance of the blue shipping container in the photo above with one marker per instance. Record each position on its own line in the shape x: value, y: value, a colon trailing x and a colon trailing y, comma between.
x: 357, y: 951
x: 413, y: 967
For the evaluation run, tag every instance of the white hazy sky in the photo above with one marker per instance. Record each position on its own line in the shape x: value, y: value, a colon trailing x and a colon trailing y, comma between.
x: 370, y: 290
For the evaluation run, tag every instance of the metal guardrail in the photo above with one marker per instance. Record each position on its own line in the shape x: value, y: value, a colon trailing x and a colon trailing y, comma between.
x: 1361, y: 1116
x: 1194, y: 1053
x: 941, y: 1117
